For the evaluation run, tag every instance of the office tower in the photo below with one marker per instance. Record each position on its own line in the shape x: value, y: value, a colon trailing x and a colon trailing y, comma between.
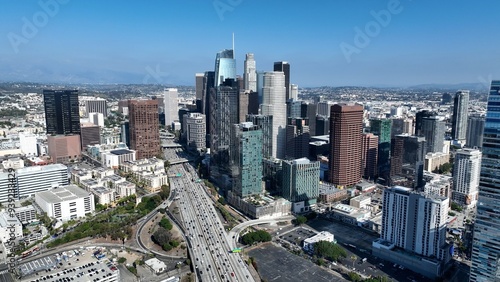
x: 32, y: 179
x: 297, y: 139
x: 90, y: 135
x: 243, y: 106
x: 466, y: 170
x: 97, y: 119
x: 293, y: 108
x: 322, y: 125
x: 27, y: 144
x: 382, y: 128
x: 250, y: 74
x: 416, y: 223
x: 418, y: 120
x: 323, y: 108
x: 91, y: 104
x: 224, y: 114
x: 396, y: 111
x: 369, y: 155
x: 346, y: 127
x: 446, y: 98
x: 285, y: 68
x: 475, y: 128
x: 246, y: 159
x: 64, y: 148
x: 123, y: 107
x: 300, y: 181
x: 265, y: 123
x: 398, y: 126
x: 208, y: 87
x: 171, y: 103
x: 486, y: 242
x: 433, y: 129
x: 274, y: 104
x: 294, y: 91
x: 241, y: 83
x: 260, y: 85
x: 460, y: 114
x: 199, y: 85
x: 225, y: 67
x: 407, y: 160
x: 144, y: 128
x: 125, y: 133
x: 196, y: 131
x: 61, y: 111
x: 309, y: 110
x: 408, y: 126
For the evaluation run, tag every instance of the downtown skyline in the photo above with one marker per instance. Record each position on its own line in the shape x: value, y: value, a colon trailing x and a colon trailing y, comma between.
x: 387, y: 43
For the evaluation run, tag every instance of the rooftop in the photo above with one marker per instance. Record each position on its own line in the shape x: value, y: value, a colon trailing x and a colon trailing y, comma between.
x: 121, y: 152
x: 62, y: 194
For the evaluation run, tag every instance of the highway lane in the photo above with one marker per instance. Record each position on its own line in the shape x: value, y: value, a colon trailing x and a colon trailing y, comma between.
x: 205, y: 230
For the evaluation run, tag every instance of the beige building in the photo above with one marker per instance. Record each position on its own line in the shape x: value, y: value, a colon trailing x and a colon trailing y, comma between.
x: 434, y: 160
x: 64, y: 148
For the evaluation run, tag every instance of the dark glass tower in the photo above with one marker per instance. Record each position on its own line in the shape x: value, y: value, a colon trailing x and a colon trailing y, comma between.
x: 285, y: 68
x: 62, y: 114
x: 486, y: 242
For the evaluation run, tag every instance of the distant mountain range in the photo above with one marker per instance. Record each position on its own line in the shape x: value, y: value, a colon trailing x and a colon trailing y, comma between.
x: 478, y: 86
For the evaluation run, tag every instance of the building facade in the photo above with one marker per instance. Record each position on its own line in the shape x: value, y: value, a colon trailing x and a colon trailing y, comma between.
x: 64, y: 148
x: 250, y: 74
x: 475, y: 128
x: 285, y: 68
x: 369, y: 155
x: 433, y: 129
x: 65, y: 203
x: 460, y: 114
x: 144, y: 128
x: 196, y: 131
x: 171, y: 102
x: 62, y: 115
x: 300, y: 181
x: 90, y: 135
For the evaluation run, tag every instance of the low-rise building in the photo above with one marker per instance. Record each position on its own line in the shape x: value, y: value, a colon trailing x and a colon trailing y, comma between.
x: 434, y: 160
x: 260, y: 206
x: 65, y: 203
x: 26, y: 214
x: 361, y: 201
x: 103, y: 195
x: 10, y: 227
x: 349, y: 214
x: 322, y: 236
x: 329, y: 193
x: 114, y: 158
x: 157, y: 266
x: 125, y: 189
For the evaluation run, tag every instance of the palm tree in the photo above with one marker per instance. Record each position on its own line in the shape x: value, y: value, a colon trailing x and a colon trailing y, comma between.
x: 353, y: 258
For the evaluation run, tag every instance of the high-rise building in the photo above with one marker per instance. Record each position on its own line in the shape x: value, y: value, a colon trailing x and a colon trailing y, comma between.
x: 486, y: 242
x: 309, y: 110
x: 294, y: 108
x: 89, y: 104
x: 144, y: 128
x: 407, y: 159
x: 171, y: 105
x: 294, y: 91
x: 475, y: 128
x: 285, y: 68
x: 225, y: 66
x: 125, y: 133
x: 460, y: 114
x: 246, y: 159
x: 322, y: 126
x: 383, y: 128
x: 418, y: 120
x: 61, y: 111
x: 208, y: 87
x: 97, y: 119
x: 274, y: 104
x: 90, y: 135
x: 300, y: 181
x: 433, y: 129
x: 265, y: 123
x: 297, y: 138
x: 224, y: 114
x: 64, y: 148
x: 416, y: 222
x: 346, y: 128
x: 250, y: 74
x: 323, y: 108
x: 195, y: 131
x: 369, y: 155
x: 199, y: 85
x: 466, y: 170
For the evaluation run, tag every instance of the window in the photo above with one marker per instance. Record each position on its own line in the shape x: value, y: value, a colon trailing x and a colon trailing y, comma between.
x: 72, y: 210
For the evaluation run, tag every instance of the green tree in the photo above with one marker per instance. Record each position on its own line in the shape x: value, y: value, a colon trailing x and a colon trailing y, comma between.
x: 25, y: 203
x: 353, y: 276
x: 328, y: 250
x: 222, y: 201
x: 300, y: 220
x: 122, y: 260
x: 165, y: 223
x: 257, y: 236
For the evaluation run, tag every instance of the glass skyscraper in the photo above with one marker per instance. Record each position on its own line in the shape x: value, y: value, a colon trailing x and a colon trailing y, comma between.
x: 486, y: 242
x: 225, y: 66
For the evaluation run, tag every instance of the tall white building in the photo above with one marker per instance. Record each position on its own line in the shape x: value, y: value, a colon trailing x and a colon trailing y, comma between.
x: 89, y: 104
x: 466, y: 172
x: 274, y: 104
x: 171, y: 102
x: 195, y: 126
x: 250, y: 74
x: 29, y: 180
x: 27, y: 143
x: 415, y: 222
x: 460, y: 115
x: 97, y: 119
x: 65, y: 203
x: 294, y: 91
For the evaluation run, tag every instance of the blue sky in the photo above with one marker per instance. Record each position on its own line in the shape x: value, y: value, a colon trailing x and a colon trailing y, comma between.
x: 169, y: 41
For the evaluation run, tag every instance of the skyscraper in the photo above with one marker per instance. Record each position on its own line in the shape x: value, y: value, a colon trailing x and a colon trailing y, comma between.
x: 460, y: 114
x: 195, y: 131
x: 301, y: 181
x: 144, y: 128
x: 250, y: 74
x: 265, y: 123
x: 486, y: 242
x: 475, y: 127
x: 433, y: 129
x: 466, y: 170
x: 208, y: 86
x: 369, y: 155
x: 274, y: 104
x: 285, y: 68
x: 297, y: 138
x: 407, y: 160
x: 199, y: 85
x: 225, y: 66
x: 309, y: 110
x: 246, y: 159
x: 346, y: 127
x: 294, y: 91
x: 383, y: 128
x: 418, y: 119
x: 171, y: 105
x: 61, y: 111
x: 224, y: 114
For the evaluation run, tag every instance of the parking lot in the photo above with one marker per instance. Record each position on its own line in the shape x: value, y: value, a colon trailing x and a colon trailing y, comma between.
x: 297, y: 235
x: 277, y: 264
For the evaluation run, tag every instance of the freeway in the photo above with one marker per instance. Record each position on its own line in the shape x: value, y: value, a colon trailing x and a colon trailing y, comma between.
x: 204, y: 230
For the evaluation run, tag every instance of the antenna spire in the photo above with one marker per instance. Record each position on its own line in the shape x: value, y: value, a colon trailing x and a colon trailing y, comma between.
x: 233, y: 45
